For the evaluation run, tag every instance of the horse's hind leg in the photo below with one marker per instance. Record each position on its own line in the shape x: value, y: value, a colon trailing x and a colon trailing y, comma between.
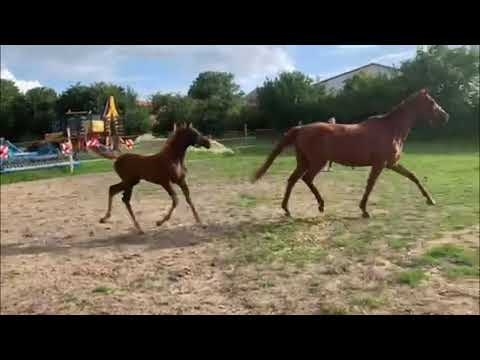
x: 127, y: 195
x: 174, y: 197
x: 308, y: 179
x: 114, y: 190
x: 399, y: 169
x: 374, y: 173
x: 294, y: 177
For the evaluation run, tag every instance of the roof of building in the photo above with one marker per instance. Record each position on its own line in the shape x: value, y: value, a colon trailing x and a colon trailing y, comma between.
x: 357, y: 69
x: 253, y: 94
x: 144, y: 103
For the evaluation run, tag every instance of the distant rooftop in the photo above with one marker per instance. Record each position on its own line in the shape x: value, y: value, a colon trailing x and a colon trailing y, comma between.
x: 357, y: 69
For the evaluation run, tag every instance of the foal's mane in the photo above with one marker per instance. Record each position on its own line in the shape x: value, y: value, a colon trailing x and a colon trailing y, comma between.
x: 175, y: 135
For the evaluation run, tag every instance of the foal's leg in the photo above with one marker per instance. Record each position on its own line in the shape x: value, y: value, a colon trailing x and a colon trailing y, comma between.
x: 127, y: 195
x: 114, y: 190
x: 374, y: 173
x: 183, y: 185
x: 308, y: 179
x: 173, y: 195
x: 294, y: 177
x: 329, y: 165
x: 399, y: 169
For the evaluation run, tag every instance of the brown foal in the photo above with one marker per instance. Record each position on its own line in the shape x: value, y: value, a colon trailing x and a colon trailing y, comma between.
x: 164, y: 168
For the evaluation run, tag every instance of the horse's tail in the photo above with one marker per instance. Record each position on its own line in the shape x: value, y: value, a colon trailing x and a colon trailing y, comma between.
x: 287, y: 140
x: 105, y: 152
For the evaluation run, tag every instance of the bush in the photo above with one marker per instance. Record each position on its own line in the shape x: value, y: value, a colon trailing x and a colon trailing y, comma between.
x: 137, y: 121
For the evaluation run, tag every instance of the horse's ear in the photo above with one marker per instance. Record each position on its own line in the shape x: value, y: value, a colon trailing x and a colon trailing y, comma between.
x: 423, y: 91
x: 189, y: 125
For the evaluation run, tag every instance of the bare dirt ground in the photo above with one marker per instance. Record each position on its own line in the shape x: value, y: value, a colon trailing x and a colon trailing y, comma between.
x: 56, y: 258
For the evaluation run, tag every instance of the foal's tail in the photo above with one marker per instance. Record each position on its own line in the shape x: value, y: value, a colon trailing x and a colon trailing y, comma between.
x: 287, y: 140
x: 105, y: 152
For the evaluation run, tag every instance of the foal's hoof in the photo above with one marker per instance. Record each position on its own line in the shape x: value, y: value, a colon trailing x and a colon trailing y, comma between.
x: 365, y: 215
x: 160, y: 222
x: 103, y: 221
x: 431, y: 202
x: 321, y: 209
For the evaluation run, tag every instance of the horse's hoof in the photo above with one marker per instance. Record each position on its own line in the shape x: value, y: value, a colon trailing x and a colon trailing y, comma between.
x: 431, y: 202
x: 365, y: 215
x: 103, y: 221
x: 159, y: 223
x: 141, y: 232
x: 320, y: 208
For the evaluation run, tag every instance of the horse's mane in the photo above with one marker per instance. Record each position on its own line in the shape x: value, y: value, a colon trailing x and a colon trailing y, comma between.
x: 404, y: 103
x: 396, y: 108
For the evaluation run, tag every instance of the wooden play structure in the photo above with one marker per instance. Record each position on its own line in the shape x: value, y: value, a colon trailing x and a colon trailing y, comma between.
x: 84, y: 125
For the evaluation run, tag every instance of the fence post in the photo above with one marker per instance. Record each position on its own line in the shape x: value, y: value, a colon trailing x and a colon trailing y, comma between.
x: 1, y: 158
x: 245, y: 131
x: 71, y: 152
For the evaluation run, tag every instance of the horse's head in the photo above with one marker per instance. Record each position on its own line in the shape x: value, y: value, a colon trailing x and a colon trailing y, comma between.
x: 193, y: 137
x: 429, y: 110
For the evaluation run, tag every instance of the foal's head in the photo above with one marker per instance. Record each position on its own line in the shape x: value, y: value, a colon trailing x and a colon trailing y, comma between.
x: 191, y: 136
x: 428, y: 110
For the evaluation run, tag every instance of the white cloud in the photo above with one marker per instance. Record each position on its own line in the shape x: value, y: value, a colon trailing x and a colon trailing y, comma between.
x: 356, y: 47
x: 249, y: 63
x: 23, y: 85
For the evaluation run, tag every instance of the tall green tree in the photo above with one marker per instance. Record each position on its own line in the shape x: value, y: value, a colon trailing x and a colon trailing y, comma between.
x: 219, y: 101
x: 289, y: 98
x: 41, y: 104
x: 172, y: 108
x: 9, y: 95
x: 451, y: 75
x: 211, y: 84
x: 77, y: 97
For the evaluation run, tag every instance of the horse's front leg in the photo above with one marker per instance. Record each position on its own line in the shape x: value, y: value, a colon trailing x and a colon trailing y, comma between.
x: 183, y: 185
x: 399, y: 169
x: 173, y: 195
x: 372, y: 179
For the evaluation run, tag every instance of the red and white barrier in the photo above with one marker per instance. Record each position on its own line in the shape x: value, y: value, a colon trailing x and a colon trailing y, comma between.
x: 93, y: 143
x: 128, y: 143
x: 4, y: 152
x: 66, y: 148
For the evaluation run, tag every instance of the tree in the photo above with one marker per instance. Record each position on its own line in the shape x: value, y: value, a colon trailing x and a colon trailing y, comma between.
x: 211, y: 84
x: 365, y: 95
x: 290, y: 98
x: 137, y: 121
x: 451, y: 75
x: 9, y: 94
x: 171, y: 108
x: 124, y: 98
x: 219, y: 101
x: 41, y: 104
x: 77, y: 98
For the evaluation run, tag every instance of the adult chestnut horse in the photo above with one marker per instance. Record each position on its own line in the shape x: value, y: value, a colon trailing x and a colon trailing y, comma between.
x: 164, y: 168
x: 376, y: 142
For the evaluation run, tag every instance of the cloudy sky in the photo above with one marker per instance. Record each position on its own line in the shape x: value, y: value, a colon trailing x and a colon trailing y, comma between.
x: 172, y: 68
